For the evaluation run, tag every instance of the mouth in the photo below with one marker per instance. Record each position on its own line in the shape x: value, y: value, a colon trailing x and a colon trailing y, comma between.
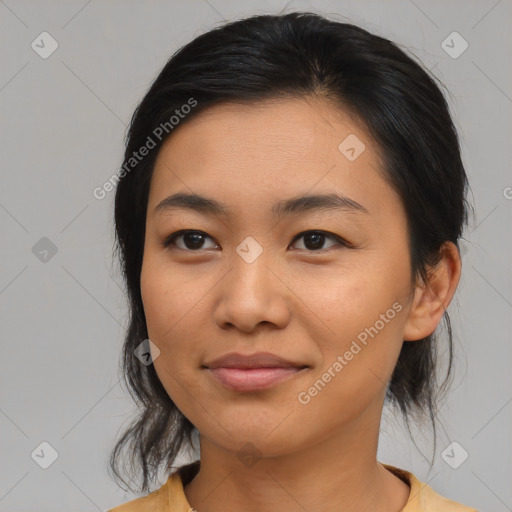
x: 253, y: 372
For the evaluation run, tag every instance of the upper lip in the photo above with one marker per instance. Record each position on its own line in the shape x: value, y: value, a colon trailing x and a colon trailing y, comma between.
x: 258, y: 360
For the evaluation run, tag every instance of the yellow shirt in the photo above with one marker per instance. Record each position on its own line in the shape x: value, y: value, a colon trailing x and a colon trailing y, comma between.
x: 171, y: 497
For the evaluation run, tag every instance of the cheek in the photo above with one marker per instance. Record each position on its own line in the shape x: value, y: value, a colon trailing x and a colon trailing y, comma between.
x: 363, y: 314
x: 173, y: 318
x: 167, y: 298
x: 348, y: 302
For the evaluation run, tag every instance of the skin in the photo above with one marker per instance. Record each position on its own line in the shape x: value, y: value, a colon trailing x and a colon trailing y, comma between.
x: 298, y: 303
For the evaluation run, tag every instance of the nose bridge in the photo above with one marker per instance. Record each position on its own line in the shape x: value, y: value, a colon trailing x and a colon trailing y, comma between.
x: 251, y: 294
x: 250, y: 268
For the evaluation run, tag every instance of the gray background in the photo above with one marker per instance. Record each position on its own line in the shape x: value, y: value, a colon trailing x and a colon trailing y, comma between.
x: 62, y: 125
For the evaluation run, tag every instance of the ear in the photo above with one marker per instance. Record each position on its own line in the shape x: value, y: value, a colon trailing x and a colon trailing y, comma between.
x: 431, y: 298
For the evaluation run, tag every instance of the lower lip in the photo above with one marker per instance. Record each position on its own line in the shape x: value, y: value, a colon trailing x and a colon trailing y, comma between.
x: 253, y: 379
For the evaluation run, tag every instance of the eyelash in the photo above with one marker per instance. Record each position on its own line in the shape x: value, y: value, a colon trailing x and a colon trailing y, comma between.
x: 341, y: 242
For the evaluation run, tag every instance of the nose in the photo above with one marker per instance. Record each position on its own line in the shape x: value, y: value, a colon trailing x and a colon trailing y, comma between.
x: 252, y: 294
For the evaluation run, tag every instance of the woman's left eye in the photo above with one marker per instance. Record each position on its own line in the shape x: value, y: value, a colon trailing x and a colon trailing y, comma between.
x: 193, y: 240
x: 314, y: 240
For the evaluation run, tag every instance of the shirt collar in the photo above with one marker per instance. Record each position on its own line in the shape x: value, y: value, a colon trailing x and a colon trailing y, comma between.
x: 180, y: 478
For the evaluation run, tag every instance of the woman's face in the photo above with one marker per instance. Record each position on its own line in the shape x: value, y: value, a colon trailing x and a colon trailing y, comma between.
x: 253, y: 281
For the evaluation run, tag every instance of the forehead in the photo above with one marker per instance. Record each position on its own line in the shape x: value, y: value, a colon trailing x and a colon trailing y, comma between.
x: 253, y: 153
x: 293, y: 128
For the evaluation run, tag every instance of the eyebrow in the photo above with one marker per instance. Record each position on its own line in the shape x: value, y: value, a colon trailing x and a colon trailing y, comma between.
x: 294, y: 205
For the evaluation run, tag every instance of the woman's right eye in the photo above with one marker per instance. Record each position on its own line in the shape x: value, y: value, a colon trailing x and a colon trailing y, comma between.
x: 188, y: 240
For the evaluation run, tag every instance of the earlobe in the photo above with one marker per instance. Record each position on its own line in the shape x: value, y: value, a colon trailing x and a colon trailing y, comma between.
x: 431, y: 298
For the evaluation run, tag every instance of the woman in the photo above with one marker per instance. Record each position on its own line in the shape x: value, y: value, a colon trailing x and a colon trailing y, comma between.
x: 287, y: 218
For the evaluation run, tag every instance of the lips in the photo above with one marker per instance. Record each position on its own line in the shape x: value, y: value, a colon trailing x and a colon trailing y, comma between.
x: 253, y: 372
x: 259, y: 360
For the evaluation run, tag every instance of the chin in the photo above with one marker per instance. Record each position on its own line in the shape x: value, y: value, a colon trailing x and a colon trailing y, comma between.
x: 262, y: 438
